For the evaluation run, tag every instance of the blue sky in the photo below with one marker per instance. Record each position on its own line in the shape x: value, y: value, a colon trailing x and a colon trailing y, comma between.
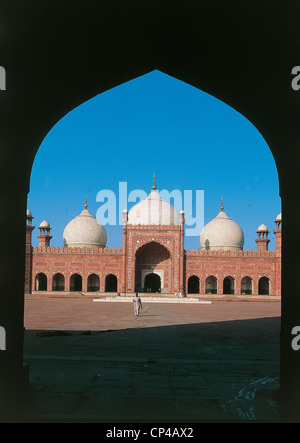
x: 155, y: 124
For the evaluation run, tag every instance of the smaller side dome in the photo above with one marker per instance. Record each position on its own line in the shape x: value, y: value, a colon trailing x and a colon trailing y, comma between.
x: 222, y: 233
x: 28, y: 213
x: 85, y: 231
x: 278, y: 218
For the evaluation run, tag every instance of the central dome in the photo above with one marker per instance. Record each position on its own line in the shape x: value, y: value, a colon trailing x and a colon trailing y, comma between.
x: 222, y: 233
x: 84, y: 231
x: 153, y: 211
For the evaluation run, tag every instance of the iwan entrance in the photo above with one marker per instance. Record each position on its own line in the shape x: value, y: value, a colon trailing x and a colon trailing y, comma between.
x: 153, y: 268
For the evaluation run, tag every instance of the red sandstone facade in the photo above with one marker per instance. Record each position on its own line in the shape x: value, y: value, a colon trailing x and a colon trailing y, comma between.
x: 153, y: 259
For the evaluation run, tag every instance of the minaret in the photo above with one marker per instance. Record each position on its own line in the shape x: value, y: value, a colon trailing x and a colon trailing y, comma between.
x: 182, y: 255
x: 125, y: 220
x: 29, y: 227
x: 262, y: 238
x: 277, y: 233
x: 28, y: 253
x: 44, y: 237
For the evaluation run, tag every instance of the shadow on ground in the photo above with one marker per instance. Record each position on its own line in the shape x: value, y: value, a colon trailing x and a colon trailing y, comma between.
x: 219, y: 371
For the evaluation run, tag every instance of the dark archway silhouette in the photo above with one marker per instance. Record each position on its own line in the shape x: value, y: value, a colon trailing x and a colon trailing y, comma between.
x: 254, y: 78
x: 41, y: 282
x: 111, y: 283
x: 246, y: 286
x: 76, y: 282
x: 58, y: 282
x: 193, y: 285
x: 211, y: 285
x: 152, y: 283
x: 228, y: 285
x: 93, y: 283
x: 264, y: 286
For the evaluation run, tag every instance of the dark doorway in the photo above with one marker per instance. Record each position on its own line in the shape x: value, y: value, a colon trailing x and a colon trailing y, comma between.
x: 228, y: 285
x: 93, y: 283
x: 41, y: 282
x: 193, y: 285
x: 76, y: 282
x: 152, y: 283
x: 58, y: 282
x: 264, y: 286
x: 111, y: 283
x: 211, y: 285
x: 246, y: 286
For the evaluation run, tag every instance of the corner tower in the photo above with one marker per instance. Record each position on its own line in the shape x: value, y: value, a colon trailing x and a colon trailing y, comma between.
x: 262, y: 240
x: 277, y: 233
x: 44, y: 237
x: 28, y: 253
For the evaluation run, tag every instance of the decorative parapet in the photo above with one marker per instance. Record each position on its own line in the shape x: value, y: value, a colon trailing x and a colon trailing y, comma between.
x: 154, y: 227
x: 228, y: 253
x: 61, y: 250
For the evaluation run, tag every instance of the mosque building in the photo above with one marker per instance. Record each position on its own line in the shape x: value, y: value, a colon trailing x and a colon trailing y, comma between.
x: 153, y: 258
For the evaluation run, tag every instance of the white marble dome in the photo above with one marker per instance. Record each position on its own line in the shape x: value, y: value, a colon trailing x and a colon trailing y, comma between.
x: 278, y: 218
x: 84, y: 231
x: 222, y: 233
x: 153, y: 211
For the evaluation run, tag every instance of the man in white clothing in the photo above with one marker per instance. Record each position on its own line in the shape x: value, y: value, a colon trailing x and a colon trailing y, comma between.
x: 137, y: 304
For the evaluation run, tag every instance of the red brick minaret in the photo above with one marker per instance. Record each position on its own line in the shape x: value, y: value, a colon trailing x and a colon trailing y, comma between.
x: 125, y: 220
x: 182, y: 255
x: 262, y: 238
x: 277, y: 233
x: 28, y: 253
x: 44, y: 237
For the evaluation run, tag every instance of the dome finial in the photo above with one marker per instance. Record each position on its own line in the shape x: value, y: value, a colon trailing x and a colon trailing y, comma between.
x: 154, y: 186
x: 85, y: 204
x: 222, y: 206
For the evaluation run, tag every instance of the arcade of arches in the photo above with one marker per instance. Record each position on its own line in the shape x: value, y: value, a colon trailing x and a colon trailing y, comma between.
x: 152, y: 282
x: 76, y: 284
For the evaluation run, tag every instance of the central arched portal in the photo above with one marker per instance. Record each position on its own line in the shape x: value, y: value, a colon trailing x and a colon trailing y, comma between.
x: 153, y: 271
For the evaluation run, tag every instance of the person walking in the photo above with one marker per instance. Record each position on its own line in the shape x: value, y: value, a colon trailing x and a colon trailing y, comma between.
x: 137, y: 304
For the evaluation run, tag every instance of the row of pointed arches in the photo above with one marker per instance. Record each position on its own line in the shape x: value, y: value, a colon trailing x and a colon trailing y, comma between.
x: 228, y: 285
x: 75, y: 282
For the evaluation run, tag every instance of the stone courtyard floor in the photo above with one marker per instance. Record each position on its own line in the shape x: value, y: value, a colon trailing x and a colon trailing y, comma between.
x: 176, y: 362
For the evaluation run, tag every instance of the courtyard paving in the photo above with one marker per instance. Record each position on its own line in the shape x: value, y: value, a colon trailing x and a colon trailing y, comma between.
x: 176, y: 362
